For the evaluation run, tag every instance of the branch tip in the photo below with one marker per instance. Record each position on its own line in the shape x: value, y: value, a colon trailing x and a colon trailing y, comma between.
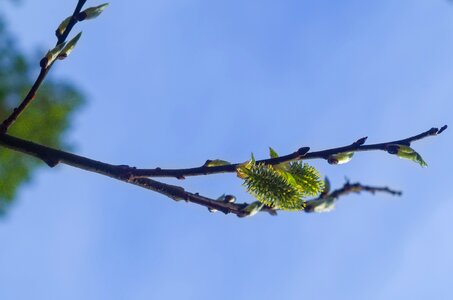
x: 303, y: 150
x: 360, y: 141
x: 442, y: 129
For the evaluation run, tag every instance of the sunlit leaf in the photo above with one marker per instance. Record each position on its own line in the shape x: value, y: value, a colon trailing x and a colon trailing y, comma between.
x: 406, y: 152
x: 272, y: 153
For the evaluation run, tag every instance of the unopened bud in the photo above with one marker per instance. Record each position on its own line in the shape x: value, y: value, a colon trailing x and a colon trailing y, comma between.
x: 340, y: 158
x: 51, y: 55
x: 69, y: 46
x: 62, y: 27
x: 92, y: 12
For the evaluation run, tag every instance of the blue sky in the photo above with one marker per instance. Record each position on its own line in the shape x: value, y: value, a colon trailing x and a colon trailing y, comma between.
x: 173, y: 83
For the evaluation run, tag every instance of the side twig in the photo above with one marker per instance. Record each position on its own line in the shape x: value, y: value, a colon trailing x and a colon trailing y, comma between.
x: 347, y: 188
x: 41, y: 76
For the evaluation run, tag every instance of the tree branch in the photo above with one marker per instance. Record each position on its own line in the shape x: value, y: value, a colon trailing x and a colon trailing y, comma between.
x: 345, y: 190
x: 302, y: 153
x: 124, y: 173
x: 140, y: 177
x: 42, y: 74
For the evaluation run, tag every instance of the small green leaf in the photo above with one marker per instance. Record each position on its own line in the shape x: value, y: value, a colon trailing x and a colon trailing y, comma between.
x: 272, y: 153
x: 340, y: 158
x: 92, y: 12
x: 406, y: 152
x: 253, y: 158
x: 253, y: 208
x: 69, y: 46
x: 216, y: 163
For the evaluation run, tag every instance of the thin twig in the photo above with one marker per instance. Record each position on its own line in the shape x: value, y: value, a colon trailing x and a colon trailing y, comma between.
x: 41, y: 76
x: 302, y: 153
x: 347, y: 189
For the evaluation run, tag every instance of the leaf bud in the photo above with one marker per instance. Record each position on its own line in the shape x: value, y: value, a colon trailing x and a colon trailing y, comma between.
x: 92, y: 12
x: 51, y: 55
x: 69, y: 46
x: 340, y: 158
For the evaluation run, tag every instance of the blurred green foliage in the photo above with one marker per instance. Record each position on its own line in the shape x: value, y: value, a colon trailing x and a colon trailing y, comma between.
x: 45, y: 121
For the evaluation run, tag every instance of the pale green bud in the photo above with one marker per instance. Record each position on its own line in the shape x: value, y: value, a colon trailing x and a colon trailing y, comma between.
x: 253, y: 208
x: 62, y: 27
x: 92, y: 12
x: 51, y: 55
x: 69, y: 46
x: 340, y: 158
x: 216, y: 163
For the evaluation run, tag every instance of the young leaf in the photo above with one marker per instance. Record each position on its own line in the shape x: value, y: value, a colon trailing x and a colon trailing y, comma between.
x: 272, y: 153
x: 92, y: 12
x: 243, y: 168
x: 406, y: 152
x: 340, y: 158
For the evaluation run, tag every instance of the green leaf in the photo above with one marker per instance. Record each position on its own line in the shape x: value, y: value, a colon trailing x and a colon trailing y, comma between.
x: 272, y: 153
x: 406, y: 152
x: 253, y: 158
x: 340, y: 158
